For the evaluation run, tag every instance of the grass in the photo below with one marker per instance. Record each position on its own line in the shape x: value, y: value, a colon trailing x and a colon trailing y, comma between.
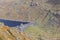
x: 38, y: 33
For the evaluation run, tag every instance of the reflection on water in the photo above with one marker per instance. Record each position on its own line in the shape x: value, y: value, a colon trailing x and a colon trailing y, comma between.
x: 12, y: 23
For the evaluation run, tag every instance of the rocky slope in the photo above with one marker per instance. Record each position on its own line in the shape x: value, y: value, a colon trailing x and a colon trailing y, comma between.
x: 8, y: 33
x: 27, y: 10
x: 46, y: 13
x: 21, y: 9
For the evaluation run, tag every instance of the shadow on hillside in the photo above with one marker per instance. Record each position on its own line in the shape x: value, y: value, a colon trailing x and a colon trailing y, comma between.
x: 54, y: 2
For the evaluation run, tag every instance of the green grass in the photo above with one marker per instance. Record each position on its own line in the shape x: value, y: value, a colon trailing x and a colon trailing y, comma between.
x: 37, y: 32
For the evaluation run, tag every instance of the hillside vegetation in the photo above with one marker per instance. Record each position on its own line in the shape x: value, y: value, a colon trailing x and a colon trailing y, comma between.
x: 44, y: 13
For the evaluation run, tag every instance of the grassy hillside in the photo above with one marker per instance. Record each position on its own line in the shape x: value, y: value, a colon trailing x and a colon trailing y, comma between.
x: 44, y: 13
x: 41, y: 33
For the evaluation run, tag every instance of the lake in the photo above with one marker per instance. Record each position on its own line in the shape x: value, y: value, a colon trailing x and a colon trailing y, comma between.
x: 11, y: 23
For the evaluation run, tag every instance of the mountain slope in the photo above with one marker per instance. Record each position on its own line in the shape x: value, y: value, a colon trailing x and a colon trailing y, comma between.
x: 9, y: 33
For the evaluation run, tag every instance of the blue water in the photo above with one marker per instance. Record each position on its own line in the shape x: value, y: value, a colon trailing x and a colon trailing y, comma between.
x: 12, y: 23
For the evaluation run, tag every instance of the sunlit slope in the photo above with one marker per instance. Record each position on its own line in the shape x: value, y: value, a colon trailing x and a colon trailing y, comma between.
x: 7, y: 33
x: 42, y: 33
